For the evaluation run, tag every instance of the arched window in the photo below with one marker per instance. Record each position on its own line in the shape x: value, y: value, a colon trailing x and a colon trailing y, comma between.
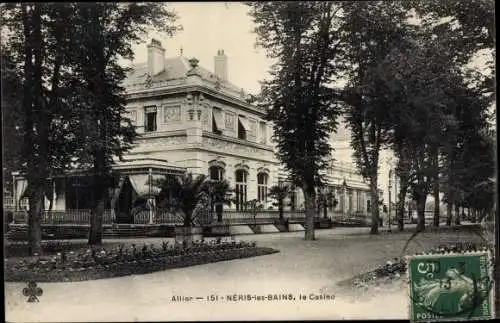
x: 293, y: 198
x: 241, y: 189
x: 216, y: 173
x: 262, y: 187
x: 350, y: 197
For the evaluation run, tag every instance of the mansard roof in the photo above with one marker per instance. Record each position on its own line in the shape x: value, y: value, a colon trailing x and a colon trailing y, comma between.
x: 176, y: 72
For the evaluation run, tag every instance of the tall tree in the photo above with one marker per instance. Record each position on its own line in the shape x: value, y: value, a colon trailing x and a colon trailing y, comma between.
x: 39, y: 55
x: 304, y: 38
x: 464, y: 28
x: 12, y: 120
x: 106, y: 32
x: 375, y: 27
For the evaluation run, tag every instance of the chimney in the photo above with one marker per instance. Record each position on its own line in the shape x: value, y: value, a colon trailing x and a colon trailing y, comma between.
x: 156, y: 57
x: 221, y: 65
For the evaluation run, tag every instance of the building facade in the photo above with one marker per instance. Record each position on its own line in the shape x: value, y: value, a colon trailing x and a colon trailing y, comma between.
x: 190, y: 119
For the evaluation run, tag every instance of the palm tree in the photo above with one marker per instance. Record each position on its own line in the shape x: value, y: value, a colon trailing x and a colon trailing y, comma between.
x: 220, y: 193
x: 279, y: 193
x: 326, y: 199
x: 183, y: 193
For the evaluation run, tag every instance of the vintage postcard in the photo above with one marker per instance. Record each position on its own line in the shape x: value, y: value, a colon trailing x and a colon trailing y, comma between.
x: 185, y: 161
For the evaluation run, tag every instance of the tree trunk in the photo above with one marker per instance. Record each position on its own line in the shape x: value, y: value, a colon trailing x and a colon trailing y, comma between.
x: 436, y: 201
x: 374, y: 199
x: 309, y: 198
x: 37, y: 166
x: 449, y: 213
x: 36, y: 201
x: 96, y: 215
x: 280, y: 209
x: 218, y: 209
x: 187, y: 217
x: 401, y: 203
x: 95, y: 234
x: 422, y: 198
x: 457, y: 214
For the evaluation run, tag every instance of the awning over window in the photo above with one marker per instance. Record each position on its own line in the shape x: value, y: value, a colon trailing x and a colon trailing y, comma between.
x: 263, y: 133
x: 21, y: 186
x: 244, y: 123
x: 116, y: 192
x: 150, y: 109
x: 140, y: 183
x: 217, y: 116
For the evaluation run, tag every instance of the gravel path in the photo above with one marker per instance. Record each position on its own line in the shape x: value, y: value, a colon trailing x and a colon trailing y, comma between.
x: 301, y: 267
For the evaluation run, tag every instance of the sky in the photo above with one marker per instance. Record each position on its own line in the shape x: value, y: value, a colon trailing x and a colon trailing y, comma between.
x: 208, y: 27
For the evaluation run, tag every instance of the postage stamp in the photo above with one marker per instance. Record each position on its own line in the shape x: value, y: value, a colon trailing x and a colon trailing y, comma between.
x: 450, y: 287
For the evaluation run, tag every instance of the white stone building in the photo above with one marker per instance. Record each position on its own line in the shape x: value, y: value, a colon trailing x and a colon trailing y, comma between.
x: 191, y: 119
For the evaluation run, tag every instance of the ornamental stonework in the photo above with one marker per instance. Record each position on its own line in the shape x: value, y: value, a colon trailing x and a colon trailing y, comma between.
x: 205, y: 116
x: 168, y: 141
x: 230, y: 120
x: 232, y: 148
x: 172, y: 113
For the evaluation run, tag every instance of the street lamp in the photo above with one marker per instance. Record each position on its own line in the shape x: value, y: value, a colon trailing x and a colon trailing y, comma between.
x: 389, y: 209
x: 344, y: 190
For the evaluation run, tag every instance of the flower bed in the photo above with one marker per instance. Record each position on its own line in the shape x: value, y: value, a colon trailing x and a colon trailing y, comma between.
x: 395, y: 269
x: 101, y: 263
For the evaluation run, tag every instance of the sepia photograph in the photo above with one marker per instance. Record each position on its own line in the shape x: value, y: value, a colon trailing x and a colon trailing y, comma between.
x: 275, y: 160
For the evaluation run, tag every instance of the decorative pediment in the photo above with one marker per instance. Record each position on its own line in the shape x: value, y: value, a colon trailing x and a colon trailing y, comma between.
x: 217, y: 163
x: 189, y: 99
x: 148, y: 82
x: 263, y: 170
x: 243, y: 165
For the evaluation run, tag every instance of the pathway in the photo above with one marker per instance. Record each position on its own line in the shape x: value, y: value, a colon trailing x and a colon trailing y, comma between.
x: 301, y: 267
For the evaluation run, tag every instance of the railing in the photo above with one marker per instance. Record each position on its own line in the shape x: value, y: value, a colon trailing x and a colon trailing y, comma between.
x: 161, y: 217
x: 8, y: 202
x: 229, y: 217
x: 81, y: 217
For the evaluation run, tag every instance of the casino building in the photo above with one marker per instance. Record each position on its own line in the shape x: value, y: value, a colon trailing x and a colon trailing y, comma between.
x: 191, y: 119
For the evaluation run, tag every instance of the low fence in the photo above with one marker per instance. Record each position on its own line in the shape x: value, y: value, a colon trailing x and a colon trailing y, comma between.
x: 229, y: 217
x: 80, y: 217
x: 233, y: 217
x: 161, y: 217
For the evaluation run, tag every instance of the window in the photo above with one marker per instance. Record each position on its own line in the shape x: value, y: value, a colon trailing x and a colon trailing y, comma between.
x: 216, y: 173
x: 241, y: 189
x: 368, y: 206
x: 293, y: 198
x: 349, y: 195
x: 262, y: 187
x: 263, y: 133
x: 217, y: 121
x: 338, y: 197
x: 359, y: 204
x: 242, y: 133
x: 150, y: 119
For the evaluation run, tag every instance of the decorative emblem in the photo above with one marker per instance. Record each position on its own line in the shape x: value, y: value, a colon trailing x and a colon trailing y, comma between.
x: 149, y: 81
x: 229, y: 121
x: 172, y: 113
x: 32, y: 292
